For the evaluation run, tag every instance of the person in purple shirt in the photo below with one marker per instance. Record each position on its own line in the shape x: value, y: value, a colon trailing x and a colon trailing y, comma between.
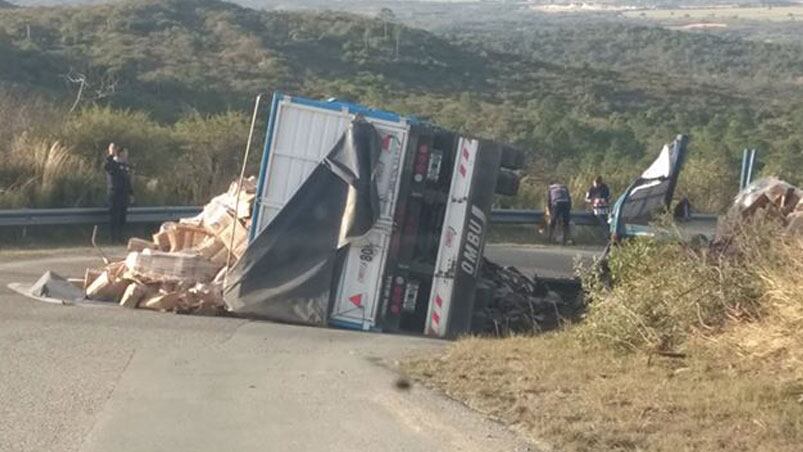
x: 559, y: 208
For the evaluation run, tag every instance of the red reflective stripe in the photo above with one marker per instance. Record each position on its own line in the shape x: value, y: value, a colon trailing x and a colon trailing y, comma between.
x: 438, y: 300
x: 462, y: 170
x: 436, y: 319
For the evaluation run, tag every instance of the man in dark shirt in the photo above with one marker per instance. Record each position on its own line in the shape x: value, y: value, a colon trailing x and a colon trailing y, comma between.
x: 118, y: 189
x: 559, y: 208
x: 599, y: 196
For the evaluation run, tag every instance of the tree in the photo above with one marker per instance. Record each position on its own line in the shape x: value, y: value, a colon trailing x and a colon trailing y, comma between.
x: 212, y: 147
x: 387, y: 16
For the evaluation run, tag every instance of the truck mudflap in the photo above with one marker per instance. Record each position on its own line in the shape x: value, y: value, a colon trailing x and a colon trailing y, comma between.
x: 462, y: 242
x: 355, y: 302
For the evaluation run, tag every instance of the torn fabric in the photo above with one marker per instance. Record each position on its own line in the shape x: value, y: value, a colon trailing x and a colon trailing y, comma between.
x: 286, y: 273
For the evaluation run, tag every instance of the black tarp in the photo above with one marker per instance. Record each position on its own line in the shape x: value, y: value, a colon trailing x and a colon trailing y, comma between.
x: 652, y: 191
x: 286, y: 272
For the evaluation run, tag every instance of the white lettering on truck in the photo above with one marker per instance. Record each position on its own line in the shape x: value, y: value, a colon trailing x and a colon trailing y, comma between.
x: 470, y: 256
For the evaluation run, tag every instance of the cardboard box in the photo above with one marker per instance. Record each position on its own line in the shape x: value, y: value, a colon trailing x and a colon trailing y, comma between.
x: 106, y: 287
x: 133, y: 294
x: 158, y: 266
x: 136, y: 244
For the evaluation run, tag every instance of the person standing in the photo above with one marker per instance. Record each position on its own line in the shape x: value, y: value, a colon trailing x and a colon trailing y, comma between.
x: 118, y: 189
x: 599, y: 196
x: 559, y: 208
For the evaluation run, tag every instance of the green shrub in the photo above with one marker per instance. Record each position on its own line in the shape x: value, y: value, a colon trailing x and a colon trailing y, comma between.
x: 153, y: 149
x: 211, y: 154
x: 662, y: 292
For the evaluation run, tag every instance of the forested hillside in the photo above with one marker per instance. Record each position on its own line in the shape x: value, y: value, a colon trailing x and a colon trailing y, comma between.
x: 173, y: 79
x: 705, y: 58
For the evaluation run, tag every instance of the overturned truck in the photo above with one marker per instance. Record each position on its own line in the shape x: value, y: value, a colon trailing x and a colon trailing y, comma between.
x: 368, y: 220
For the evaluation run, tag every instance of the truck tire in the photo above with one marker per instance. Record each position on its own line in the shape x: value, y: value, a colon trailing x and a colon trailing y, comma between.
x: 507, y: 183
x: 512, y: 158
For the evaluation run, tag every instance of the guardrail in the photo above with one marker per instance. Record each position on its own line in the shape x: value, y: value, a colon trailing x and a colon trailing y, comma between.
x: 517, y: 216
x: 100, y: 215
x: 91, y: 215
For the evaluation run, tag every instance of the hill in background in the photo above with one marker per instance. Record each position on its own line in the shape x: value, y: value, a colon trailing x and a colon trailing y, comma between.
x: 607, y: 110
x: 207, y: 55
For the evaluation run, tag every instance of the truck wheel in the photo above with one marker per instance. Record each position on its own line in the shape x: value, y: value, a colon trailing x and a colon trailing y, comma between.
x: 512, y: 158
x: 507, y: 183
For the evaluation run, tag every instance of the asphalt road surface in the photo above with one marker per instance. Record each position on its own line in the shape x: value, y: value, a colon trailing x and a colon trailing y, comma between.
x: 111, y: 379
x: 547, y: 261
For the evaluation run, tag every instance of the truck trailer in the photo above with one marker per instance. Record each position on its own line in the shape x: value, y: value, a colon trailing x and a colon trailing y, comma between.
x: 368, y: 220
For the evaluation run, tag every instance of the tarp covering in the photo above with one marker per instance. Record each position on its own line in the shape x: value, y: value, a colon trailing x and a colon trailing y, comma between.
x: 286, y: 272
x: 652, y: 191
x: 53, y: 285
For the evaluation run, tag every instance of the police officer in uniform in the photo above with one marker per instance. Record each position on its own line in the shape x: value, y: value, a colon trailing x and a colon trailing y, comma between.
x: 118, y: 189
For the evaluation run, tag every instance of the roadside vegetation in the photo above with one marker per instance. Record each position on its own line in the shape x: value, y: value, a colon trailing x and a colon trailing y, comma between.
x: 55, y: 160
x: 174, y: 80
x: 690, y: 349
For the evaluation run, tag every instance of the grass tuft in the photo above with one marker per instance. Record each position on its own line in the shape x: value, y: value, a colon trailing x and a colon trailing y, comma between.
x: 664, y: 292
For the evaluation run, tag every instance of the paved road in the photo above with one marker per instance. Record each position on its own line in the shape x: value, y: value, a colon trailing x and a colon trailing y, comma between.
x: 548, y: 261
x: 110, y: 379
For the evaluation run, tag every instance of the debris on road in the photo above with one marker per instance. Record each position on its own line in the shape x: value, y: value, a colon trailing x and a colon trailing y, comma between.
x: 53, y: 285
x: 509, y: 302
x: 183, y: 267
x: 773, y: 198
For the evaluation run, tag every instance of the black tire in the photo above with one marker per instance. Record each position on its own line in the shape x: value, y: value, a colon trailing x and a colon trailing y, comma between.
x: 512, y: 158
x: 507, y: 183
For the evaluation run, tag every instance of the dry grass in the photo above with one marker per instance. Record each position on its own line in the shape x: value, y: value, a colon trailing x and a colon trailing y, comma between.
x: 579, y: 399
x: 778, y: 338
x: 665, y: 292
x: 45, y: 174
x: 734, y: 314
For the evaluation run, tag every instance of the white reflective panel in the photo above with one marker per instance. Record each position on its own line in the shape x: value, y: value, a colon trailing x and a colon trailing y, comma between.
x: 660, y: 167
x: 647, y: 185
x: 302, y: 137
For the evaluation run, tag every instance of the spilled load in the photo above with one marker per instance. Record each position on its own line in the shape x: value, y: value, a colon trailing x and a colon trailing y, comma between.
x: 183, y: 267
x: 772, y: 197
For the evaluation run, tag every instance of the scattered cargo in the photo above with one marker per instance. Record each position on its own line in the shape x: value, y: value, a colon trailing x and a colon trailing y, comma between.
x: 183, y: 268
x: 774, y: 198
x: 508, y: 302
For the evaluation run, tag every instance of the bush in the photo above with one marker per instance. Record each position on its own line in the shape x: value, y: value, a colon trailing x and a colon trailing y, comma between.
x: 186, y: 163
x: 45, y: 175
x: 212, y: 149
x: 153, y: 149
x: 663, y: 292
